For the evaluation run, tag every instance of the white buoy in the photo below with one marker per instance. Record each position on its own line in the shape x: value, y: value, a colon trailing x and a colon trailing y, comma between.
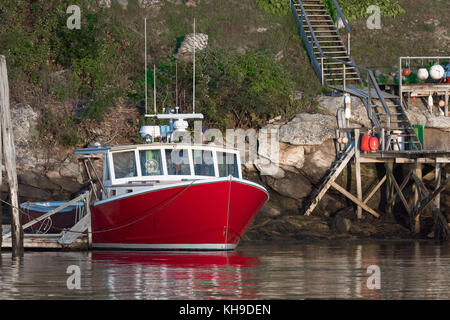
x: 437, y: 72
x: 348, y: 107
x: 430, y: 103
x: 422, y: 74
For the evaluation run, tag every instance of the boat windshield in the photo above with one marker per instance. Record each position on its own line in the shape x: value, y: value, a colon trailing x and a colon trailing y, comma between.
x: 153, y: 163
x: 124, y: 164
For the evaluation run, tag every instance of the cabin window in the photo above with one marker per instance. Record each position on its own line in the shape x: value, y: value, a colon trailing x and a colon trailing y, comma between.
x: 178, y: 162
x: 227, y: 163
x: 203, y: 163
x: 124, y: 164
x: 107, y: 175
x: 151, y: 163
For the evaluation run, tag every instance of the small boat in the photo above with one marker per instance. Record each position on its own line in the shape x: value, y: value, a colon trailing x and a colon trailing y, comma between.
x: 63, y: 219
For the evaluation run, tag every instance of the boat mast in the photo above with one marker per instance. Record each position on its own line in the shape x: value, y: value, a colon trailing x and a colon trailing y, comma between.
x: 145, y: 55
x: 193, y: 77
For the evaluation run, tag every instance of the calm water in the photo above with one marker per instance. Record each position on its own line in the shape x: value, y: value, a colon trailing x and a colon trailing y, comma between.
x: 408, y: 270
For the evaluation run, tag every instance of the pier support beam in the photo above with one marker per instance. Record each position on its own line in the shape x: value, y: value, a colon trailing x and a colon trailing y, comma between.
x: 358, y: 174
x: 9, y: 154
x: 416, y: 190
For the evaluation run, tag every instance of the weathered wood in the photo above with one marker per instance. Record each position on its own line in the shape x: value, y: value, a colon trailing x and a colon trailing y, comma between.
x: 437, y: 183
x: 374, y: 190
x: 354, y: 199
x: 358, y: 174
x: 417, y: 175
x: 399, y: 191
x: 389, y: 188
x: 10, y: 159
x: 68, y: 237
x: 348, y: 155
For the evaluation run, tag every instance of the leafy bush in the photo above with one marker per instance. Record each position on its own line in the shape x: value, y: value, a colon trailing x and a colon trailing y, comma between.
x: 278, y: 7
x: 232, y: 89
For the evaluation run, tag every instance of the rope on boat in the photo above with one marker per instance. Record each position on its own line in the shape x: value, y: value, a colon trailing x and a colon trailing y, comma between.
x: 119, y: 227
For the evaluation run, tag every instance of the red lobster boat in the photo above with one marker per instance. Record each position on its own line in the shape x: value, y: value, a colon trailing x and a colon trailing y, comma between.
x: 150, y: 202
x: 171, y: 195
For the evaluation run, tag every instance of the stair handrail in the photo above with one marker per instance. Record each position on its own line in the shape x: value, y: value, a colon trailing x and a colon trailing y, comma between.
x: 313, y: 36
x: 315, y: 42
x: 340, y: 15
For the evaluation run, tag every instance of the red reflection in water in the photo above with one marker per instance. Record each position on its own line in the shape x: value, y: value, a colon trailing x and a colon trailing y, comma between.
x: 178, y: 259
x: 186, y: 274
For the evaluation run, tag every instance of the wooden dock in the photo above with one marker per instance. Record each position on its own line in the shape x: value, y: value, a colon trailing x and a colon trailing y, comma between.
x: 47, y: 241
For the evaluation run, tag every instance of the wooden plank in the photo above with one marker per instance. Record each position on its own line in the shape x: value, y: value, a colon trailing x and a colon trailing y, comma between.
x: 374, y: 190
x: 68, y: 237
x: 10, y: 159
x: 354, y: 199
x: 399, y: 191
x: 350, y: 153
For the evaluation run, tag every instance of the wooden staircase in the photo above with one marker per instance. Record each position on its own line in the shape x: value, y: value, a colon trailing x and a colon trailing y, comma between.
x: 334, y: 65
x: 397, y: 120
x: 330, y: 178
x: 322, y: 26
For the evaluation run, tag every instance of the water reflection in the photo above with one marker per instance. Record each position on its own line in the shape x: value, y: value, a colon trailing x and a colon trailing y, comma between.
x: 409, y: 270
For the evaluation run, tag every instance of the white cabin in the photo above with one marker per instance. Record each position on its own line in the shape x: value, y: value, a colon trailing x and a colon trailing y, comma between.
x: 131, y: 168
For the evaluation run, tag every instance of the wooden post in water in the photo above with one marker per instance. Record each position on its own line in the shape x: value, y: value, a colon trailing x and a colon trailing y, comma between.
x: 418, y: 173
x: 9, y: 153
x: 358, y: 174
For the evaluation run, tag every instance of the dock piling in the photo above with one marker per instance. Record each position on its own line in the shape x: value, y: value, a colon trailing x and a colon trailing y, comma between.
x: 9, y: 154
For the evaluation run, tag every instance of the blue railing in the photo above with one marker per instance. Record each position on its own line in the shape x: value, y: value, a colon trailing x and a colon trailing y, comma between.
x: 310, y: 44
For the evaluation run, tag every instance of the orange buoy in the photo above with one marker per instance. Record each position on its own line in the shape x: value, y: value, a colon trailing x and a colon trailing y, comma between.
x: 406, y: 72
x: 365, y: 143
x: 441, y: 103
x: 373, y: 143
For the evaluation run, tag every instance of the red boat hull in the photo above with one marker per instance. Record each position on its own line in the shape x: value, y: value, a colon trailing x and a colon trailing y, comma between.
x: 211, y: 215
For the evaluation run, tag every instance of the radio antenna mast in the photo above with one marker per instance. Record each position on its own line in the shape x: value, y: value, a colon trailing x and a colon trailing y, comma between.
x: 154, y: 90
x: 193, y: 77
x: 145, y: 54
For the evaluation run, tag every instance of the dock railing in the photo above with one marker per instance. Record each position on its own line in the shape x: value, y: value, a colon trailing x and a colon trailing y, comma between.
x: 433, y: 88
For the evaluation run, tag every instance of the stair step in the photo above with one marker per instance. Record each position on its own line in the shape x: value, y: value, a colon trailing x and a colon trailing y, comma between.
x: 341, y: 79
x: 323, y: 31
x: 332, y: 52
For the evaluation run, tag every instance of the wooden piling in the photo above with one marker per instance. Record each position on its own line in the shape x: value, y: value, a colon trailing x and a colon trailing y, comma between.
x: 418, y: 174
x: 9, y: 154
x: 358, y: 174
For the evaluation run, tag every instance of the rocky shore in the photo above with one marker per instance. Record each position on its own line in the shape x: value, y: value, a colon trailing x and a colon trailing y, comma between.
x: 307, y: 150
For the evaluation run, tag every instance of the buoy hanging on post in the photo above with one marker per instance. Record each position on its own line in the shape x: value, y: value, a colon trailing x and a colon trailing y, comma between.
x: 348, y: 106
x: 374, y: 143
x: 365, y: 143
x: 430, y: 102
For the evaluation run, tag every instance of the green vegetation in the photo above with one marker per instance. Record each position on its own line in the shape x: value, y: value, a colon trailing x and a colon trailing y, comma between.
x: 254, y: 63
x: 355, y: 9
x: 278, y: 7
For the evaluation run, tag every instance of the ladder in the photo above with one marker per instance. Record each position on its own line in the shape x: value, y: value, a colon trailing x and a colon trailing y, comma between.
x: 329, y: 180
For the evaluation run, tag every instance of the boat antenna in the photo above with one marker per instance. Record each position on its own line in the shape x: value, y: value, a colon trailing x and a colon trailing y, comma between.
x: 193, y: 77
x: 154, y: 90
x: 145, y: 54
x: 176, y: 83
